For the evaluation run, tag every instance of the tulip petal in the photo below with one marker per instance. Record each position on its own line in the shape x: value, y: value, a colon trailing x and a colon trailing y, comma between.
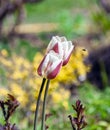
x: 54, y: 59
x: 63, y: 39
x: 52, y: 43
x: 55, y: 45
x: 39, y: 70
x: 55, y: 48
x: 50, y: 65
x: 68, y: 48
x: 66, y: 60
x: 55, y: 72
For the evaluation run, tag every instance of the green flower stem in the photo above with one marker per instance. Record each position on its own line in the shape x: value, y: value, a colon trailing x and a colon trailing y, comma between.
x: 44, y: 105
x: 37, y: 104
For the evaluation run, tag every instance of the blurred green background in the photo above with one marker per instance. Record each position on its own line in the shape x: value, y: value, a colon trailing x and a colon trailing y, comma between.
x: 22, y: 45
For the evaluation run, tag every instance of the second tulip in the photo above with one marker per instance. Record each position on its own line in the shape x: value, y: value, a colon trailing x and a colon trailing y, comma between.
x: 61, y: 46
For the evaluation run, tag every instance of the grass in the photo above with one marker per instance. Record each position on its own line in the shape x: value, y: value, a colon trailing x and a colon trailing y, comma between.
x: 48, y: 10
x: 97, y: 106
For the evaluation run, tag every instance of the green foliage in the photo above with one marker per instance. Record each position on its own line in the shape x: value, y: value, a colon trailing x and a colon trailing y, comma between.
x: 72, y: 26
x: 97, y: 106
x: 27, y: 49
x: 4, y: 45
x: 102, y: 20
x: 47, y: 10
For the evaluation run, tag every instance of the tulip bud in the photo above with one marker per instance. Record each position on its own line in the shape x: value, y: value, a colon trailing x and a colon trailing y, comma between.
x: 50, y: 65
x: 61, y: 46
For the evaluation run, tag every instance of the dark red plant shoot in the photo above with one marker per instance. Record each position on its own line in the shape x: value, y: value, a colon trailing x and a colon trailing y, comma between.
x: 78, y: 122
x: 8, y: 108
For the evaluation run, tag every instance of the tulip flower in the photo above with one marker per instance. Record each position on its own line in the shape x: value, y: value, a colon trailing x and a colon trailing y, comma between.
x: 50, y: 65
x: 61, y: 46
x: 58, y: 53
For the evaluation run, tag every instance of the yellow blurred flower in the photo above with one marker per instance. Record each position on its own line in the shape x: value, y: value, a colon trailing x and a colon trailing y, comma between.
x: 57, y: 97
x: 65, y: 105
x: 3, y: 92
x: 6, y: 62
x: 33, y: 107
x: 17, y: 74
x: 22, y: 96
x: 61, y: 97
x: 4, y: 52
